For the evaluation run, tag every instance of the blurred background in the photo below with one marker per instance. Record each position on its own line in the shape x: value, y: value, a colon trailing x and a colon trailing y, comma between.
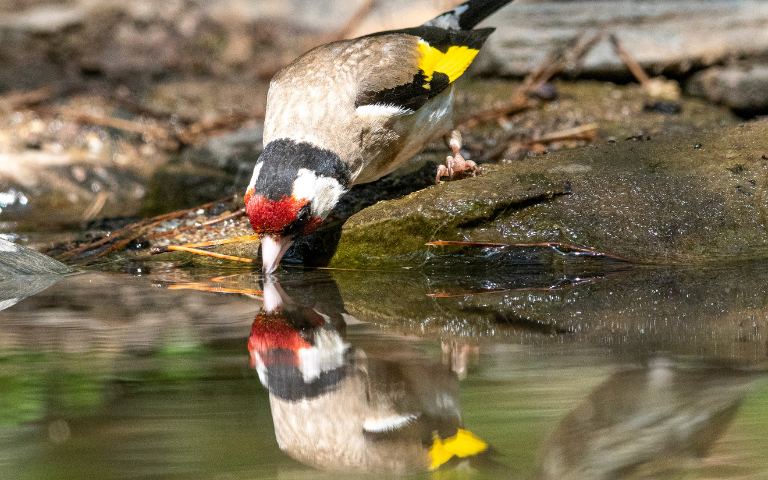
x: 98, y: 97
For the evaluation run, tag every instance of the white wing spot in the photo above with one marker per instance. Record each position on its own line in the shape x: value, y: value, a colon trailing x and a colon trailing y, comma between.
x: 383, y: 110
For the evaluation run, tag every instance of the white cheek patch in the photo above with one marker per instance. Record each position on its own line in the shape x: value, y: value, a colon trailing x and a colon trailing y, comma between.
x: 382, y: 111
x: 256, y: 172
x: 323, y: 192
x: 326, y: 355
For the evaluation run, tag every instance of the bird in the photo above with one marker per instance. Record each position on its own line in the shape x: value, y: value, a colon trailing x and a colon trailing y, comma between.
x: 350, y: 112
x: 353, y: 405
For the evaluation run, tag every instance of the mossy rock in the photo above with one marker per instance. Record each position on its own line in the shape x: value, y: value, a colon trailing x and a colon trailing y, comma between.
x: 687, y: 199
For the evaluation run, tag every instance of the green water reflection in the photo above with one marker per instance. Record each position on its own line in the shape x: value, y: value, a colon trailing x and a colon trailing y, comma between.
x: 623, y: 374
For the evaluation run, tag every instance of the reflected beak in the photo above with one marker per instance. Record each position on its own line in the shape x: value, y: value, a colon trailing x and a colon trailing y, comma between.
x: 273, y: 248
x: 273, y: 296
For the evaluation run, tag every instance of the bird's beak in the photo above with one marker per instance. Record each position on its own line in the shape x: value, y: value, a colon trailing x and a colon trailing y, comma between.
x: 273, y: 248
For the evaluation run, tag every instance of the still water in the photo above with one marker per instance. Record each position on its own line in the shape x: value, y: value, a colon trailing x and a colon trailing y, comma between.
x: 158, y: 370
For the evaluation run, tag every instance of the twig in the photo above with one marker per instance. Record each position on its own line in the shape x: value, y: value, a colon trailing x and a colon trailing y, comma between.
x: 211, y: 243
x: 582, y: 132
x: 357, y: 18
x: 191, y: 228
x: 520, y: 99
x: 140, y: 227
x: 208, y: 288
x: 216, y: 243
x: 95, y: 207
x: 116, y: 123
x: 192, y: 135
x: 201, y: 130
x: 630, y: 62
x: 234, y: 214
x: 132, y: 106
x: 16, y: 100
x: 182, y: 248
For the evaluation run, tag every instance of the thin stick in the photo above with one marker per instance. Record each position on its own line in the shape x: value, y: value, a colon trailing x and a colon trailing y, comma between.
x: 116, y: 123
x: 582, y: 132
x: 214, y: 243
x: 181, y: 248
x: 630, y: 62
x: 203, y: 129
x: 208, y: 288
x: 15, y: 100
x: 521, y: 98
x: 143, y: 225
x: 357, y: 18
x: 234, y: 214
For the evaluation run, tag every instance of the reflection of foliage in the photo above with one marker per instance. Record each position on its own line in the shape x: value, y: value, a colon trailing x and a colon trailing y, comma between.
x: 755, y: 409
x: 43, y: 387
x: 29, y: 397
x: 21, y: 399
x: 75, y: 394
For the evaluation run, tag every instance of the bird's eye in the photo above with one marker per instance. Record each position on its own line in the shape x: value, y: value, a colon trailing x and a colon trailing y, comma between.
x: 303, y: 215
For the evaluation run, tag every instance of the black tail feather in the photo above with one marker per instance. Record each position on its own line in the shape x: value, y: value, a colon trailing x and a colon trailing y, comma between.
x: 467, y: 15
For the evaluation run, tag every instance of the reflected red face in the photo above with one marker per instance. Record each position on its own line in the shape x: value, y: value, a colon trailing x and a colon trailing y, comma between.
x: 276, y: 341
x: 271, y: 331
x: 287, y: 216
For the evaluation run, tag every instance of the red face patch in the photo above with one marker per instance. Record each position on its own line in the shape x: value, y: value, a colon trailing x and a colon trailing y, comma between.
x: 277, y: 217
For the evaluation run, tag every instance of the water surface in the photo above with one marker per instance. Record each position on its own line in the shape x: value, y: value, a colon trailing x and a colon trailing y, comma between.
x: 628, y: 373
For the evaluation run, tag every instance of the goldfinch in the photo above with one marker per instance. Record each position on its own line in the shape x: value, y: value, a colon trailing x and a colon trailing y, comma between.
x: 352, y: 111
x: 348, y: 407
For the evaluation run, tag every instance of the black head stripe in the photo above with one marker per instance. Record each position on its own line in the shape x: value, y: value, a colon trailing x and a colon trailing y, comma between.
x: 282, y: 160
x: 468, y: 14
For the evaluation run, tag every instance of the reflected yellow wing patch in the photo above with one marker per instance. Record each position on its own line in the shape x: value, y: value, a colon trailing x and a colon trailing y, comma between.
x: 452, y: 63
x: 463, y: 444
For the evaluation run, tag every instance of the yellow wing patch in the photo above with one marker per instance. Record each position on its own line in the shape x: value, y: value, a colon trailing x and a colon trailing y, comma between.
x: 452, y: 63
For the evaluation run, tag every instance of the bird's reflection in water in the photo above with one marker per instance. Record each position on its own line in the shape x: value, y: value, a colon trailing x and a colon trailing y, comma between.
x: 645, y: 423
x: 341, y: 407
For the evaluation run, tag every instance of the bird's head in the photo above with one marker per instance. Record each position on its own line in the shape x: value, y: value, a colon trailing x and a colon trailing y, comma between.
x: 294, y: 187
x: 278, y: 223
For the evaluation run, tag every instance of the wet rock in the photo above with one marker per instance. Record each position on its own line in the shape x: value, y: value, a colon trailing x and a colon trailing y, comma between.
x: 25, y: 272
x: 60, y: 189
x: 678, y: 412
x: 44, y: 18
x: 635, y: 312
x: 658, y: 201
x: 743, y: 89
x: 18, y: 260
